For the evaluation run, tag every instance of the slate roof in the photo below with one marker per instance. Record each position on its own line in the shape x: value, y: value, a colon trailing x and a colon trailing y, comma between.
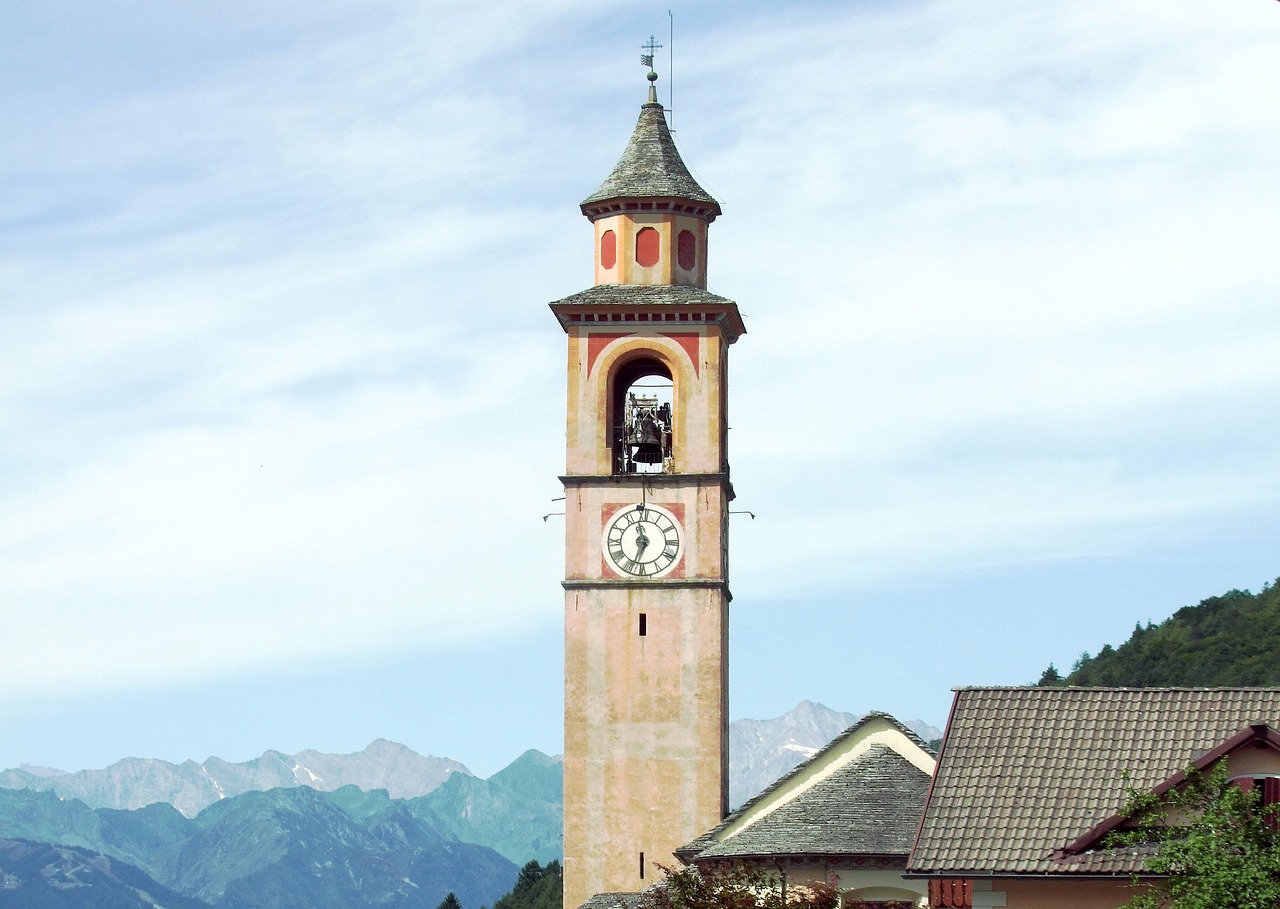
x: 612, y: 901
x: 1026, y: 771
x: 869, y: 807
x: 645, y: 295
x: 651, y: 166
x: 657, y: 296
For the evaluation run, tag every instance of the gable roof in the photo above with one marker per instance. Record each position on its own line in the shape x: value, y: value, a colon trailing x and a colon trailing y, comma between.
x: 861, y: 795
x: 1026, y: 772
x: 651, y: 166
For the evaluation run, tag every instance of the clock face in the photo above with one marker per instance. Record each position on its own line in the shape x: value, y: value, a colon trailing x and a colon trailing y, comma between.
x: 642, y: 541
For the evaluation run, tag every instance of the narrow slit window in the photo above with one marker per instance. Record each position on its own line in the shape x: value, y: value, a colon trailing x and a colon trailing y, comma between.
x: 644, y: 624
x: 641, y: 866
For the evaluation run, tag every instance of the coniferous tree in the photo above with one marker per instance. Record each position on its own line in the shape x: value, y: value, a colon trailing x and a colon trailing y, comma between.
x: 1229, y: 640
x: 536, y: 887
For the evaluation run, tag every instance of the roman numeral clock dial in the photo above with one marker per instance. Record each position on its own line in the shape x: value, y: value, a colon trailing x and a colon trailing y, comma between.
x: 643, y: 541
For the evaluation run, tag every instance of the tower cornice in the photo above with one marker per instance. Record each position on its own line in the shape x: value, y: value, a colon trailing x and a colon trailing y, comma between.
x: 654, y: 480
x: 671, y: 583
x: 656, y: 306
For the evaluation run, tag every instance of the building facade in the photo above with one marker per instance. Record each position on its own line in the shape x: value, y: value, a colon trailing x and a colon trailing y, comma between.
x: 647, y: 496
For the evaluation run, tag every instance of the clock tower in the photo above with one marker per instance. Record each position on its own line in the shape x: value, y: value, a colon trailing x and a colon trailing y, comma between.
x: 647, y: 495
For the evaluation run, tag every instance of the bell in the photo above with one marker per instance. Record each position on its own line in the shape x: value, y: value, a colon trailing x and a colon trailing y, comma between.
x: 646, y: 441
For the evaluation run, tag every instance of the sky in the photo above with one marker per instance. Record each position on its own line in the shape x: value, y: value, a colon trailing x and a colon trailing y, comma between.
x: 283, y: 404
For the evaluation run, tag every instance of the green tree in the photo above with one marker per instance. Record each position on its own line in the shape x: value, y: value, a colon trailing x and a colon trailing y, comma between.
x: 736, y: 886
x: 450, y: 902
x: 537, y: 887
x: 1228, y: 640
x: 1217, y: 846
x: 1050, y: 678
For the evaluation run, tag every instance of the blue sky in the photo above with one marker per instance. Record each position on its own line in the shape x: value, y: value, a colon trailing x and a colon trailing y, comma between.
x: 283, y: 401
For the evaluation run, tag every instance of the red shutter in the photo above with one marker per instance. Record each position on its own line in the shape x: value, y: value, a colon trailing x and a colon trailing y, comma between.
x: 1271, y: 802
x: 950, y: 894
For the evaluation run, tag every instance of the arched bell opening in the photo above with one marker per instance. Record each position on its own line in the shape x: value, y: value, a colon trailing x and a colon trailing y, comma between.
x: 641, y: 399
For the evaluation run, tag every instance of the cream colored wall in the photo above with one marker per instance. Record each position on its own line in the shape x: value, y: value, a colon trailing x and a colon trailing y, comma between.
x: 861, y: 882
x: 646, y: 719
x: 626, y: 270
x: 645, y: 731
x: 1253, y: 762
x: 1051, y: 894
x: 696, y: 408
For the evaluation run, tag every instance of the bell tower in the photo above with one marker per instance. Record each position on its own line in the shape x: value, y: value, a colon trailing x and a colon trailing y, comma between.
x: 647, y: 495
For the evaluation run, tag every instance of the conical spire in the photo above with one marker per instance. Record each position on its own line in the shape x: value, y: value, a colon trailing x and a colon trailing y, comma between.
x: 651, y: 166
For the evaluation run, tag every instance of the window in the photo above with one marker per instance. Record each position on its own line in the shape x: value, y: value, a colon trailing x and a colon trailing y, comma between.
x: 1268, y: 789
x: 641, y: 416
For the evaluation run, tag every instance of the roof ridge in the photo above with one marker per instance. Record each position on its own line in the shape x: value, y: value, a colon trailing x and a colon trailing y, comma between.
x: 1109, y: 688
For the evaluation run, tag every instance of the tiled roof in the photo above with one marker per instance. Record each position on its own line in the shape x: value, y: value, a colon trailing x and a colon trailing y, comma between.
x: 869, y: 807
x: 651, y: 166
x: 1025, y: 771
x: 612, y: 901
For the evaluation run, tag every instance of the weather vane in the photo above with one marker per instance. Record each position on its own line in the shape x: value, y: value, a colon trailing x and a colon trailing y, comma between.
x: 647, y: 59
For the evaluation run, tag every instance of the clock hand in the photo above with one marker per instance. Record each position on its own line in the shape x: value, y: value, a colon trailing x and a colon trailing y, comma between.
x: 642, y: 541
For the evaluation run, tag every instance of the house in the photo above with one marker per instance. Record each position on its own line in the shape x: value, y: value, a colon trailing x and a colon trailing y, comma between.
x: 847, y: 815
x: 1031, y: 780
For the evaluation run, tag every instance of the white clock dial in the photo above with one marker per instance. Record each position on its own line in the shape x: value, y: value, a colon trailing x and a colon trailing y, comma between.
x: 643, y: 541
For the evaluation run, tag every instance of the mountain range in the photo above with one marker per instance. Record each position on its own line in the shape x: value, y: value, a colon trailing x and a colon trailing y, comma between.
x: 382, y: 827
x: 291, y: 848
x: 191, y: 786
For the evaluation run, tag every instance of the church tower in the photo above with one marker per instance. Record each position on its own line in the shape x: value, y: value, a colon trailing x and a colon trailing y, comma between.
x: 647, y: 496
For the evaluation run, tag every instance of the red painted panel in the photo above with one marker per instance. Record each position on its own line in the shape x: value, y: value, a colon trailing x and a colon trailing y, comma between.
x: 595, y: 344
x: 689, y: 341
x: 687, y: 250
x: 608, y: 249
x: 647, y: 247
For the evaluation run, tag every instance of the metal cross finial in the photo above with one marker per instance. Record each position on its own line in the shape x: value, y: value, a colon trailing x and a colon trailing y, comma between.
x: 651, y: 47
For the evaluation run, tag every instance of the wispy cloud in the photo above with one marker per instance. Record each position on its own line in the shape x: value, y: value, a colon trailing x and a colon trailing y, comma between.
x: 278, y: 381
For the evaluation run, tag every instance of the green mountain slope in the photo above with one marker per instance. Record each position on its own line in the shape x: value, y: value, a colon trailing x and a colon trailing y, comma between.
x: 291, y: 848
x: 1228, y: 640
x: 518, y: 811
x: 44, y: 876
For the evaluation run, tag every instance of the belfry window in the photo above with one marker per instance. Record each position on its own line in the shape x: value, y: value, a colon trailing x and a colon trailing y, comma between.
x: 641, y: 404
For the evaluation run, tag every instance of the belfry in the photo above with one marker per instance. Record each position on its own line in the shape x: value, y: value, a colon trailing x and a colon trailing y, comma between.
x: 647, y: 497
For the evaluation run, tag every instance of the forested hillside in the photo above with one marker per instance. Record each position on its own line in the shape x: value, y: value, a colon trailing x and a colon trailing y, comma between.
x: 1229, y: 640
